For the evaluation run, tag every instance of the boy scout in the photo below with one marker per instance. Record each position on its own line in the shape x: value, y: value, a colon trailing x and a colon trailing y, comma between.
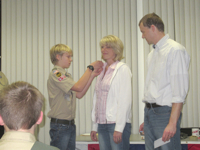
x: 20, y: 113
x: 63, y: 91
x: 3, y: 83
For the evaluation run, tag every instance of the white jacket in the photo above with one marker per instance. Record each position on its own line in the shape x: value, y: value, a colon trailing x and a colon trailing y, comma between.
x: 119, y: 100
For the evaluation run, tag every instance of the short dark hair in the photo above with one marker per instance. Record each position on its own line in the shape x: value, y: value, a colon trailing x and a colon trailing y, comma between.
x: 152, y: 19
x: 20, y: 105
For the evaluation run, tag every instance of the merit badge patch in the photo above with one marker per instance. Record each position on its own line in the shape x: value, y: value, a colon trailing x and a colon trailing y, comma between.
x: 62, y: 77
x: 58, y: 74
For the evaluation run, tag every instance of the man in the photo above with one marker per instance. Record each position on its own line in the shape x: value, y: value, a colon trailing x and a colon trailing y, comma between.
x: 166, y: 85
x: 20, y: 112
x: 3, y: 83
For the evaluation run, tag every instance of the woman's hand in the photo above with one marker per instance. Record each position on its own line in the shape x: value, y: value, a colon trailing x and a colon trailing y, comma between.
x: 93, y: 135
x: 117, y: 137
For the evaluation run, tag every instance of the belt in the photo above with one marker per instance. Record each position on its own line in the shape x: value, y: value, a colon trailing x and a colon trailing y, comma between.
x: 61, y: 121
x: 149, y: 105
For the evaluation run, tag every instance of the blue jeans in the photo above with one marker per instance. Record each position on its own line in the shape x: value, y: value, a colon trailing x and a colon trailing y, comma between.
x: 105, y: 135
x: 63, y: 136
x: 155, y: 121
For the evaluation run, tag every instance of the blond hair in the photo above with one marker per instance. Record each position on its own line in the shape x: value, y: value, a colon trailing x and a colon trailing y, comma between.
x: 20, y: 105
x: 59, y: 49
x: 115, y: 43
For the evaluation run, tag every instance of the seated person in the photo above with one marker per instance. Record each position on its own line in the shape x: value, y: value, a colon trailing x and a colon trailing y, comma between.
x: 20, y: 112
x: 3, y: 83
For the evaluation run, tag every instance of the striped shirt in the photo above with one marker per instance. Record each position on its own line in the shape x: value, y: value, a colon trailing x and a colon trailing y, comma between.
x: 102, y: 88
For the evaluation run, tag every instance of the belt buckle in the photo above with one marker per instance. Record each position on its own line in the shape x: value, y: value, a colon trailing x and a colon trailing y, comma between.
x: 148, y: 105
x: 72, y: 122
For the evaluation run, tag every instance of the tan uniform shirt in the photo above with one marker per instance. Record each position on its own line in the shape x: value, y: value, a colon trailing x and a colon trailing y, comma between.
x: 16, y: 140
x: 62, y: 100
x: 3, y: 80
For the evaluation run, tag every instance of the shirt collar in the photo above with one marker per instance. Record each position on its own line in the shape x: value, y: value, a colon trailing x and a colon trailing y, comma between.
x: 18, y: 135
x: 112, y: 66
x: 59, y: 68
x: 161, y: 42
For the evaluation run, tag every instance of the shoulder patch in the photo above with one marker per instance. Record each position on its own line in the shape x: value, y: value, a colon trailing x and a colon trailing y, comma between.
x: 57, y: 73
x: 62, y: 77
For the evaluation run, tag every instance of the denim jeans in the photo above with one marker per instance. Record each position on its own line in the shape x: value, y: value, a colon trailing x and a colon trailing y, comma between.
x: 155, y: 121
x: 105, y: 135
x: 63, y: 136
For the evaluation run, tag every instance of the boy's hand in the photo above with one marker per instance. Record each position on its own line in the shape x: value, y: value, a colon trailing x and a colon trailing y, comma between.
x: 96, y: 72
x: 97, y: 64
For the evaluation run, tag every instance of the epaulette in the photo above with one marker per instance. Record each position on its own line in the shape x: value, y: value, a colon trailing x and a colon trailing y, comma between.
x: 54, y: 69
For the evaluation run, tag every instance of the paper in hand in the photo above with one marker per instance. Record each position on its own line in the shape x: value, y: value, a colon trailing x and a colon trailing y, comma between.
x: 159, y: 142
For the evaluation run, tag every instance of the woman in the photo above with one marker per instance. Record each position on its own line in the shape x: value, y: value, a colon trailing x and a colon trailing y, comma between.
x: 111, y: 114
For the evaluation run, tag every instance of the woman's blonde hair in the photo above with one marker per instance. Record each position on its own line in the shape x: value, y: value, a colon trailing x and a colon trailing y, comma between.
x: 59, y: 49
x: 114, y: 42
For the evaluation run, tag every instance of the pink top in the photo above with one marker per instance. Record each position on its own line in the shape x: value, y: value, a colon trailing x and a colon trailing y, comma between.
x: 102, y: 88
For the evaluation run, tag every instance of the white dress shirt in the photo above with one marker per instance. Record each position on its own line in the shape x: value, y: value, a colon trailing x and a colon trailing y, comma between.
x: 167, y: 79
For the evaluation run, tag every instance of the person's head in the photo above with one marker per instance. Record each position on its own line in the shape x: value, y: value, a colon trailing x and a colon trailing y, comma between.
x: 111, y: 46
x: 152, y: 28
x: 20, y: 106
x: 61, y: 55
x: 152, y: 19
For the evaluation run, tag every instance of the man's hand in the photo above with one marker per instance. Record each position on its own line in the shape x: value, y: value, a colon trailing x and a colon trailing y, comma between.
x: 93, y: 135
x: 169, y: 132
x: 170, y: 129
x: 141, y: 127
x: 117, y: 137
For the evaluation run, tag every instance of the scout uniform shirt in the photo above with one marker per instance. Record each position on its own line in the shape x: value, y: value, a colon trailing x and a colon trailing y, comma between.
x: 3, y: 83
x: 17, y: 140
x: 3, y: 80
x: 62, y: 100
